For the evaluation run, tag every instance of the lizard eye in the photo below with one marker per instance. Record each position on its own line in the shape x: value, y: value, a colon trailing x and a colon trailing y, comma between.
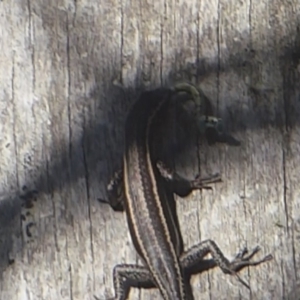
x: 219, y: 126
x: 216, y: 123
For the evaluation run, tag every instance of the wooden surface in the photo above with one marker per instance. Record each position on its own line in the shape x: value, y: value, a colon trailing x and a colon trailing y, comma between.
x: 62, y: 111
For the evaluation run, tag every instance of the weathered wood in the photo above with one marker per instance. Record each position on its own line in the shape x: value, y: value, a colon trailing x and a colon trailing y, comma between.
x: 62, y: 114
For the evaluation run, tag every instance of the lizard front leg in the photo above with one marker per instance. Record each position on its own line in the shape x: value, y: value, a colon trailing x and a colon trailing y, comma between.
x: 182, y: 186
x: 115, y: 192
x: 177, y: 184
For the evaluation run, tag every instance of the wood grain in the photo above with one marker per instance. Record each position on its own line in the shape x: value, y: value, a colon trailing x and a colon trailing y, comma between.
x: 69, y: 71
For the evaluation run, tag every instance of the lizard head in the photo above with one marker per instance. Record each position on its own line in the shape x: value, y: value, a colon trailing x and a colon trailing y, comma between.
x: 207, y: 124
x: 214, y: 130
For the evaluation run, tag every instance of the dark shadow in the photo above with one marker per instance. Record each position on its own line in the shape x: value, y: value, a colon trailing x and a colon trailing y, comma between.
x: 63, y: 169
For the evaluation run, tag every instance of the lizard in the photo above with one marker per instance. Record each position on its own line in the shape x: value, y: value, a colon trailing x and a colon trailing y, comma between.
x: 145, y: 190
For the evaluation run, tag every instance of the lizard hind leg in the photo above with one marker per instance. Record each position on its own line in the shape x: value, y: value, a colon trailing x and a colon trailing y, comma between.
x: 192, y: 260
x: 127, y: 276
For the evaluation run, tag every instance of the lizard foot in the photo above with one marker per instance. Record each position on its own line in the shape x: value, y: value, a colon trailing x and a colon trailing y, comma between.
x: 243, y: 259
